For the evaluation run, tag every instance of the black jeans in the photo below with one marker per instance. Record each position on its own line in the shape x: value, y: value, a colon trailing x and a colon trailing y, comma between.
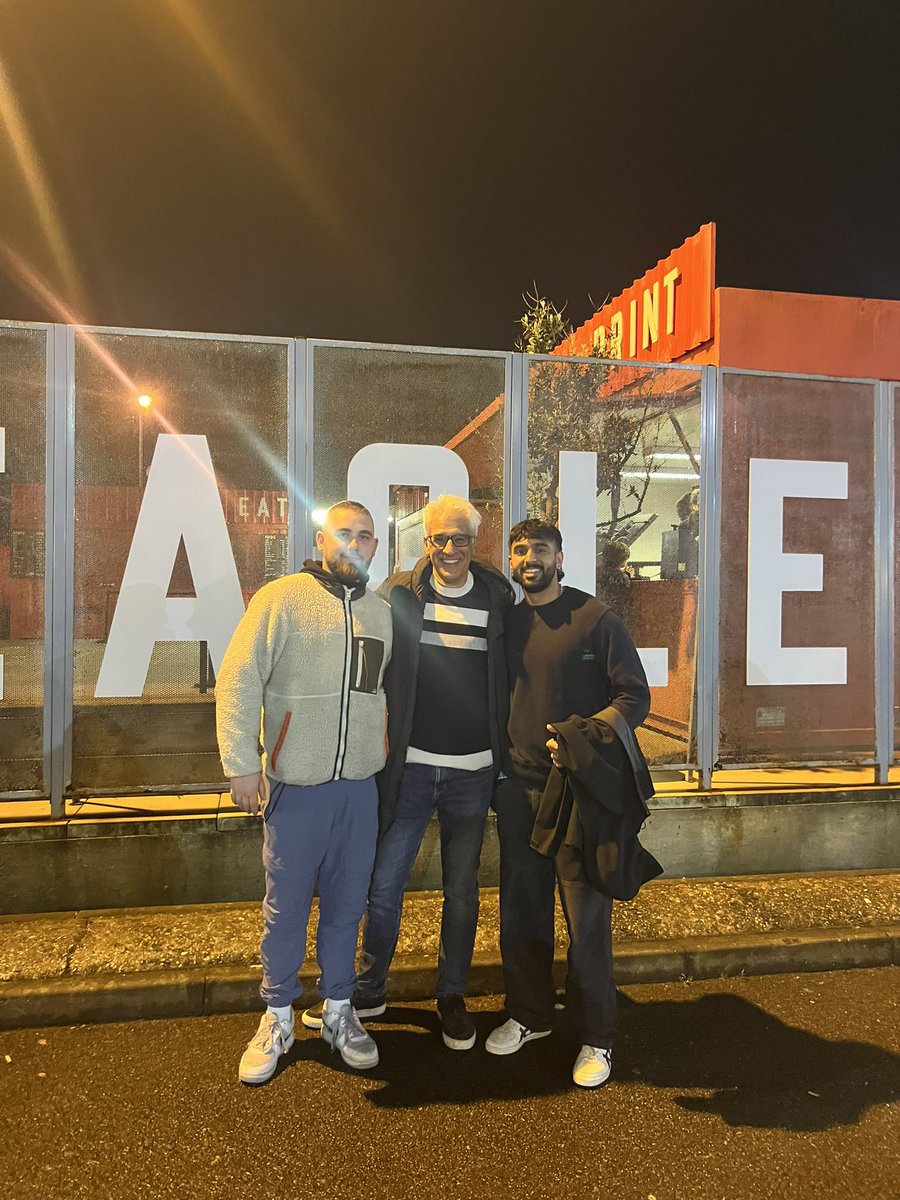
x: 527, y: 885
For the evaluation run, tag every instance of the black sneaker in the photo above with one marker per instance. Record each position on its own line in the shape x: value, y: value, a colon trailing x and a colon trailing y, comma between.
x: 457, y: 1029
x: 363, y: 1006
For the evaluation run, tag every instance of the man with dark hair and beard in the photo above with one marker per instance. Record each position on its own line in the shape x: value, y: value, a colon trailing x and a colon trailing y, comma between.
x: 578, y: 691
x: 308, y: 657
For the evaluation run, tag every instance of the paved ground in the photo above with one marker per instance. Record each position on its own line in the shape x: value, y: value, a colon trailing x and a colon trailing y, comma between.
x: 767, y: 1087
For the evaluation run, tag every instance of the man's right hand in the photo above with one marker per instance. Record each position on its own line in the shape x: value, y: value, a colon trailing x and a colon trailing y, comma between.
x: 248, y: 792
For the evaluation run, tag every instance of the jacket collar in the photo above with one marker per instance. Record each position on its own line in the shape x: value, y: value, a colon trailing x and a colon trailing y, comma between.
x: 421, y: 575
x: 329, y: 582
x: 496, y: 583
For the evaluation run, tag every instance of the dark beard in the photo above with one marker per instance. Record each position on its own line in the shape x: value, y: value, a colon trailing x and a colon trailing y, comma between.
x: 546, y: 577
x: 346, y: 572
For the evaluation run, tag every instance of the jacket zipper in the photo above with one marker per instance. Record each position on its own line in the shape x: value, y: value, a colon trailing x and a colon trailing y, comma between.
x: 345, y: 687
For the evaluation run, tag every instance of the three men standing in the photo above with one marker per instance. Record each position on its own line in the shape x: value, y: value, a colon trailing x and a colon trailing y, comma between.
x: 309, y: 657
x: 556, y: 709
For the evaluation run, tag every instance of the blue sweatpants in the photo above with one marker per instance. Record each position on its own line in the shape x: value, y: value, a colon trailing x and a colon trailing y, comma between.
x: 323, y: 834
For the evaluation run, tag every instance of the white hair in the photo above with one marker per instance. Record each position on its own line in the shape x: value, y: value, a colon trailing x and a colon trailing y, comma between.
x: 451, y: 506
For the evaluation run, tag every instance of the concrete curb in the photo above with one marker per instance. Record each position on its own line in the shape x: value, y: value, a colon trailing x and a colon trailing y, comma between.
x: 75, y: 1000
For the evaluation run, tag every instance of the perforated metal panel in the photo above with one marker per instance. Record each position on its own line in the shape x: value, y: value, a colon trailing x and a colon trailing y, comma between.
x: 232, y: 395
x: 643, y: 425
x: 797, y: 599
x: 23, y: 358
x: 364, y: 395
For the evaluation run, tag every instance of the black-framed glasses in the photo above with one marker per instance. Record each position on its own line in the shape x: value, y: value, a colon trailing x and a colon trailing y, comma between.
x: 437, y: 541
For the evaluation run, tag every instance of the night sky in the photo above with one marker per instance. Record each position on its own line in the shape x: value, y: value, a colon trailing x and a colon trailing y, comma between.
x: 394, y: 171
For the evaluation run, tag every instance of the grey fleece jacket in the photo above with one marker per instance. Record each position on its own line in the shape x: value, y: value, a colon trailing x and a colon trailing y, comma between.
x: 309, y: 654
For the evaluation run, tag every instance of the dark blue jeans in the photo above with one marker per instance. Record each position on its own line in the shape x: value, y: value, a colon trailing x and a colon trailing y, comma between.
x: 461, y: 800
x: 527, y: 884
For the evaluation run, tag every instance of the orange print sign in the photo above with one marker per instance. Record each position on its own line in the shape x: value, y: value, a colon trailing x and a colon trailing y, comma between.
x: 662, y: 315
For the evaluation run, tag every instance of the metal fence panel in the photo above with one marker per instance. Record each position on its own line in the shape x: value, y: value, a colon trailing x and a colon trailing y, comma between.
x: 626, y: 494
x: 374, y: 410
x: 210, y: 447
x: 797, y: 599
x: 23, y: 372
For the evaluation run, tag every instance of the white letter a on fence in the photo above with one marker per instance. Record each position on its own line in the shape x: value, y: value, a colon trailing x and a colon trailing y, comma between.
x: 181, y: 501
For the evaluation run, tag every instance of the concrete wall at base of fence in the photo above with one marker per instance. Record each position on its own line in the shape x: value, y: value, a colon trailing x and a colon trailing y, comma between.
x: 202, y: 860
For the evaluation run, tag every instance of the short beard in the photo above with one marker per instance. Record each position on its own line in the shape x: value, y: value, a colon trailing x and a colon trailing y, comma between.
x: 535, y: 585
x: 346, y: 572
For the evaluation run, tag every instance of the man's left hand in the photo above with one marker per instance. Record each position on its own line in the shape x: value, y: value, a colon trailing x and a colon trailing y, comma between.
x: 553, y: 747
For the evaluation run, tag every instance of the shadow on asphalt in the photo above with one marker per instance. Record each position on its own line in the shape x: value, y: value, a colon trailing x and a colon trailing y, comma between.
x: 418, y: 1071
x: 758, y: 1071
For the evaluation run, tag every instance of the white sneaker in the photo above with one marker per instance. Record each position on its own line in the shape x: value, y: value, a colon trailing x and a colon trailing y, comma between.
x: 511, y: 1036
x: 342, y: 1030
x: 271, y: 1040
x: 592, y: 1066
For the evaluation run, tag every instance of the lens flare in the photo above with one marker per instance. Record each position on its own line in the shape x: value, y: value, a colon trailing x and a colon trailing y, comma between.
x: 37, y: 185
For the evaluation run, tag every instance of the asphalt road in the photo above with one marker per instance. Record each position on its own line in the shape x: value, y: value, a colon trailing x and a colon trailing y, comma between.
x: 776, y: 1086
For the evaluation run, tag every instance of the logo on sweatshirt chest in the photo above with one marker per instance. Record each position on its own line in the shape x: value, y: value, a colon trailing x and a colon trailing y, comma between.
x: 588, y: 656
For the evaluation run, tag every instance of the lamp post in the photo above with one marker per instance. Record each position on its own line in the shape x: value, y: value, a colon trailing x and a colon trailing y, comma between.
x: 144, y: 403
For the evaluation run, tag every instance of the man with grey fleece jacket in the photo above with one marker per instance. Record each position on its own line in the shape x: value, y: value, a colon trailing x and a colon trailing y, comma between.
x: 306, y: 663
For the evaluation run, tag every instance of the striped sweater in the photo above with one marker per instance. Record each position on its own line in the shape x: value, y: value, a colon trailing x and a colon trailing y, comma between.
x: 451, y: 726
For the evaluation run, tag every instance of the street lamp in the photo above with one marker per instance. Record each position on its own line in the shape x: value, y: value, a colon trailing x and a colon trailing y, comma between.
x: 144, y: 403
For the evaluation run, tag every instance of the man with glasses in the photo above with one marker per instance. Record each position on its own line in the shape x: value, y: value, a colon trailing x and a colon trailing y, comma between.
x: 447, y: 702
x: 309, y: 657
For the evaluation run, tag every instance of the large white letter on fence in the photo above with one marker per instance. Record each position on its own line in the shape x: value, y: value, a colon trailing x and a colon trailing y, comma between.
x: 578, y: 526
x: 181, y: 501
x: 578, y: 517
x: 771, y: 572
x: 375, y: 468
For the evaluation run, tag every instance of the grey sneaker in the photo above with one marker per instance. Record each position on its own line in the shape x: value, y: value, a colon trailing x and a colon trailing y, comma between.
x: 271, y: 1040
x: 511, y: 1036
x: 312, y: 1016
x: 342, y: 1030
